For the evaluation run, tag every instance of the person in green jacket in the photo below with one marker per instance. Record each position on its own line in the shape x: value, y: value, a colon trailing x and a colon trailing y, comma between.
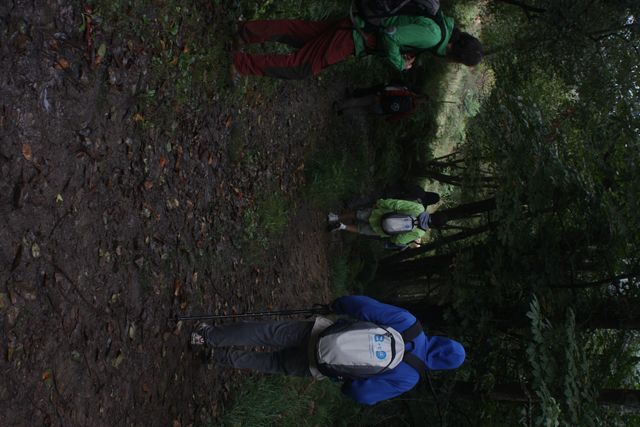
x: 370, y: 221
x: 402, y: 37
x: 323, y: 43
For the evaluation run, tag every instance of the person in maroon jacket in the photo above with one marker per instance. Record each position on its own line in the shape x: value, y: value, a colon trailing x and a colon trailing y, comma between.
x: 319, y: 44
x: 394, y: 102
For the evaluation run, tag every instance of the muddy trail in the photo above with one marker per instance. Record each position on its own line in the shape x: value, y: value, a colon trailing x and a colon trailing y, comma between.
x: 110, y: 225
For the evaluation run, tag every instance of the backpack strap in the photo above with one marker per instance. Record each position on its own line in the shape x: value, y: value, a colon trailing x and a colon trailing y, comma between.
x: 408, y: 335
x: 412, y: 332
x: 416, y: 363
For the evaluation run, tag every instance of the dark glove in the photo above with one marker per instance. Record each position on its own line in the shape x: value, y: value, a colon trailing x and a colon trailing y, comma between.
x: 323, y: 309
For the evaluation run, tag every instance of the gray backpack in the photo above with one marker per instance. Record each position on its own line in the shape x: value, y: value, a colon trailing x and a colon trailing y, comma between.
x: 359, y: 349
x: 397, y: 223
x: 373, y: 12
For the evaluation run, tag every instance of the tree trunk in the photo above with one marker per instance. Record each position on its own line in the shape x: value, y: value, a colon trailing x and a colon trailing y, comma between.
x: 505, y: 319
x: 469, y: 209
x: 521, y: 393
x: 416, y: 268
x: 527, y: 9
x: 411, y: 253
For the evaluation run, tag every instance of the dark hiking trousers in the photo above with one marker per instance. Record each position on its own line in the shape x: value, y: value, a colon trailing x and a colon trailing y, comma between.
x: 363, y: 104
x: 318, y: 44
x: 291, y: 337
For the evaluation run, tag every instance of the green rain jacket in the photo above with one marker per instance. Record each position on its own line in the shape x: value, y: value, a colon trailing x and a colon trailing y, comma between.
x: 404, y: 33
x: 385, y: 206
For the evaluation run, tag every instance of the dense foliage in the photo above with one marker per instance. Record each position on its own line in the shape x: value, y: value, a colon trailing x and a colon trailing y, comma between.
x: 540, y: 278
x: 547, y: 297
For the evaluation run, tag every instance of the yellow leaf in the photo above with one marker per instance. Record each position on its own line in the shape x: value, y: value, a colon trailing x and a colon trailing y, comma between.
x: 26, y: 152
x: 61, y: 64
x: 137, y: 117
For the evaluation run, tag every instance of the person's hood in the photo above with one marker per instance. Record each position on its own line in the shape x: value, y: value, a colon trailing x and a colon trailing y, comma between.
x: 448, y: 31
x: 423, y: 220
x: 444, y: 353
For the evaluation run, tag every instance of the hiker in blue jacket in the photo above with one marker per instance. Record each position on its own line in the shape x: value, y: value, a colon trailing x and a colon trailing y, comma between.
x: 438, y: 353
x: 351, y: 351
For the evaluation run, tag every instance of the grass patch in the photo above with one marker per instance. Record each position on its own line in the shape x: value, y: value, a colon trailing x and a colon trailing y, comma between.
x: 186, y: 48
x: 267, y: 220
x: 295, y: 402
x: 335, y: 176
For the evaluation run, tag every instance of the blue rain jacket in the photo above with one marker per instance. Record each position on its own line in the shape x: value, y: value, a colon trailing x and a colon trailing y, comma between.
x: 439, y: 353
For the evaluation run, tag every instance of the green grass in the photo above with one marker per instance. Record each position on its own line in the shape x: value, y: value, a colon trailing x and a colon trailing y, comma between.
x: 186, y: 46
x: 282, y: 9
x: 267, y: 220
x: 295, y: 402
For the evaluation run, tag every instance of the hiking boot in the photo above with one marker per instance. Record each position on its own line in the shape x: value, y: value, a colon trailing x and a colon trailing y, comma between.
x: 336, y: 226
x: 199, y: 336
x: 336, y: 108
x: 332, y: 217
x: 238, y: 42
x: 234, y: 76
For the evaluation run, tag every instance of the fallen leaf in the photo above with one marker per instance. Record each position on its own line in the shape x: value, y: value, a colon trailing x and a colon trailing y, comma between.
x: 35, y: 250
x: 137, y: 117
x: 173, y: 203
x: 26, y: 152
x: 148, y: 185
x: 179, y: 326
x: 17, y: 258
x: 11, y: 350
x: 61, y: 64
x: 46, y: 375
x: 13, y: 297
x: 102, y: 50
x: 132, y: 331
x: 145, y: 388
x: 163, y: 161
x: 59, y: 198
x: 177, y: 287
x: 118, y: 360
x: 228, y: 121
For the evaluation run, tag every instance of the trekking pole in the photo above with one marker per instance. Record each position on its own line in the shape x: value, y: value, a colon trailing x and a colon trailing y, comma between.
x: 316, y: 309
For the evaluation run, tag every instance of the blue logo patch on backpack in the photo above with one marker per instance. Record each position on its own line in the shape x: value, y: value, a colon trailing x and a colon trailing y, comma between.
x: 381, y: 355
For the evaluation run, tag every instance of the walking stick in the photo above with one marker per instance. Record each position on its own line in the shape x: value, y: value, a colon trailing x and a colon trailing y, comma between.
x: 316, y: 309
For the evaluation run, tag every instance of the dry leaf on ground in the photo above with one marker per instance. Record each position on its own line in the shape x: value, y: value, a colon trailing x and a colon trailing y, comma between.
x: 26, y: 152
